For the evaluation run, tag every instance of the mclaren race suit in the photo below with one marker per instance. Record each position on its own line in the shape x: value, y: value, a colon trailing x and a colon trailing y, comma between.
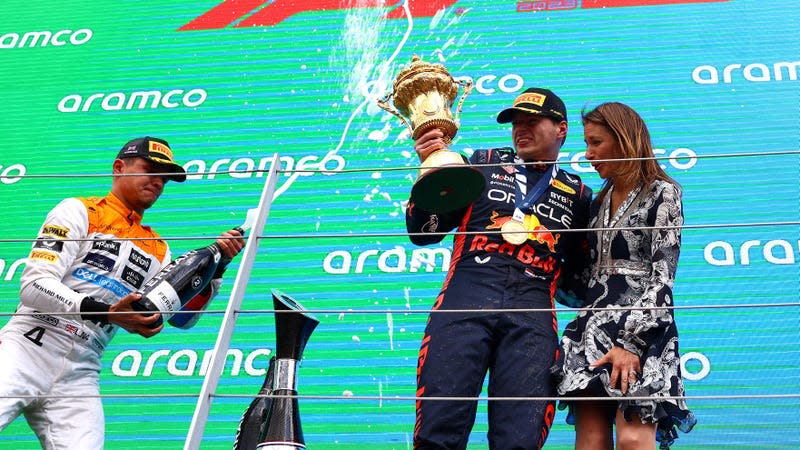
x: 486, y: 272
x: 52, y: 355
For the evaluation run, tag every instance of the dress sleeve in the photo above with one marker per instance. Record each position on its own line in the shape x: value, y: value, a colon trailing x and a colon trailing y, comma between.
x: 642, y: 325
x: 51, y: 257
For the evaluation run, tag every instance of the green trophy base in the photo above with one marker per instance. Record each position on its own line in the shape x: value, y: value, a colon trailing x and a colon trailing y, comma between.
x: 445, y: 189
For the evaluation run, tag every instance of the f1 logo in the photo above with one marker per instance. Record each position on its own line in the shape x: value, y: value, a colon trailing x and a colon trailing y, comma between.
x: 253, y: 13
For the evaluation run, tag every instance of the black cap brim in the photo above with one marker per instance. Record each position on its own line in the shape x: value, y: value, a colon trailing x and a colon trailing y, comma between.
x: 178, y: 174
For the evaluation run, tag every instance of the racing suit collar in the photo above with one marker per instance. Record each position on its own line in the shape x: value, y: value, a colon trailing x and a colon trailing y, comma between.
x: 531, y: 167
x: 124, y: 211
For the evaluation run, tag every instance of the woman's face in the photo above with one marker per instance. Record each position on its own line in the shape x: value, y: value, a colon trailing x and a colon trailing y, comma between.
x: 600, y: 145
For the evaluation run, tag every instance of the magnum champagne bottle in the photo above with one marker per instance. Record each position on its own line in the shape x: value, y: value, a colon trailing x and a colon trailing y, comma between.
x: 180, y: 281
x: 274, y: 422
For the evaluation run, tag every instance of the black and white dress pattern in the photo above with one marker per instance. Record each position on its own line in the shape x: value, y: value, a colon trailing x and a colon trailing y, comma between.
x: 631, y: 267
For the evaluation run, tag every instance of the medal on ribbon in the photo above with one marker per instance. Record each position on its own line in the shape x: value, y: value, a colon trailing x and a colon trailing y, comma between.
x: 514, y: 231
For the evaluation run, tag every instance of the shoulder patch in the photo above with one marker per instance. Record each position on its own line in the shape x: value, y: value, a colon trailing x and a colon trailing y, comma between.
x: 46, y: 256
x: 55, y: 231
x: 492, y: 154
x: 505, y: 154
x: 53, y: 245
x: 562, y: 187
x: 573, y: 179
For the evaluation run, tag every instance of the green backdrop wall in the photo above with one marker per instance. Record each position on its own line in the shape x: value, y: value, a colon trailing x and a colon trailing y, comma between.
x: 229, y: 84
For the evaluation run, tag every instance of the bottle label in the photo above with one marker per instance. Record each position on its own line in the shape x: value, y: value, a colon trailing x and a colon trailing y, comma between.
x: 165, y: 299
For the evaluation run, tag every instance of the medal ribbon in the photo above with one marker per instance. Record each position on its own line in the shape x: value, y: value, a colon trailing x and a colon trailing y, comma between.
x: 526, y: 205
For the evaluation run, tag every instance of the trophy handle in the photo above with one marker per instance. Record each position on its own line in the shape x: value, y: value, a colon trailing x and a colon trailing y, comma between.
x: 384, y: 104
x: 467, y: 85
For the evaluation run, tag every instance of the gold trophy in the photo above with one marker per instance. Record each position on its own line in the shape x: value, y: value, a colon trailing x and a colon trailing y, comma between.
x: 423, y: 96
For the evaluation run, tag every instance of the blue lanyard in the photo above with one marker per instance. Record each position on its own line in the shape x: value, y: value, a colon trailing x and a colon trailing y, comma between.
x: 524, y: 203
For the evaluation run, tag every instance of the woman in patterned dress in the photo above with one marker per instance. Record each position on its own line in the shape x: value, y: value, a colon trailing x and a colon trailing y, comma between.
x: 622, y: 348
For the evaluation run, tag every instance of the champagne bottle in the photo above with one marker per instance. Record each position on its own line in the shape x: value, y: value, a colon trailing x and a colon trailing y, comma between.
x: 181, y: 280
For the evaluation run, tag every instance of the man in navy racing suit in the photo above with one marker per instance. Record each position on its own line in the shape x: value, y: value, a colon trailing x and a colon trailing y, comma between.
x: 489, y: 271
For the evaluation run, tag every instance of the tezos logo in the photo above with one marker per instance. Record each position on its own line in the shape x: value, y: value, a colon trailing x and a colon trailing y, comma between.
x: 196, y: 281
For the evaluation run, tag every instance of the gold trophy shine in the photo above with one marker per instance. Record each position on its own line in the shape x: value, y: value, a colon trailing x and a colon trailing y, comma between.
x: 423, y: 95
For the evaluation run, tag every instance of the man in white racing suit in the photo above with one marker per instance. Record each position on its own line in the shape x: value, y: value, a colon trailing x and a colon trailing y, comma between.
x: 90, y: 257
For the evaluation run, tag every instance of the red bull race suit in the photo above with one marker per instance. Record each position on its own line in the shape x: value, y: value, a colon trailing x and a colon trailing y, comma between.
x: 486, y: 272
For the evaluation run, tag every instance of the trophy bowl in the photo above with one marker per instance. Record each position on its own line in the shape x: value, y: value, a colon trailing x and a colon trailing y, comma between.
x: 423, y: 95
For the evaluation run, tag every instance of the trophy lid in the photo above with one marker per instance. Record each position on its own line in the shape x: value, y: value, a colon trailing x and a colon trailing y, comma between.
x: 420, y: 79
x: 418, y: 67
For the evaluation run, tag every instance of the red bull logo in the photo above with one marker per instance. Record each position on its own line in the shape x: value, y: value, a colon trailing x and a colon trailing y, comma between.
x: 539, y: 233
x: 524, y: 253
x: 497, y: 221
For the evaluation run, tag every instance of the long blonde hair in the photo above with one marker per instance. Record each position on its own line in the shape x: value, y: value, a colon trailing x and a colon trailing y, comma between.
x: 633, y: 138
